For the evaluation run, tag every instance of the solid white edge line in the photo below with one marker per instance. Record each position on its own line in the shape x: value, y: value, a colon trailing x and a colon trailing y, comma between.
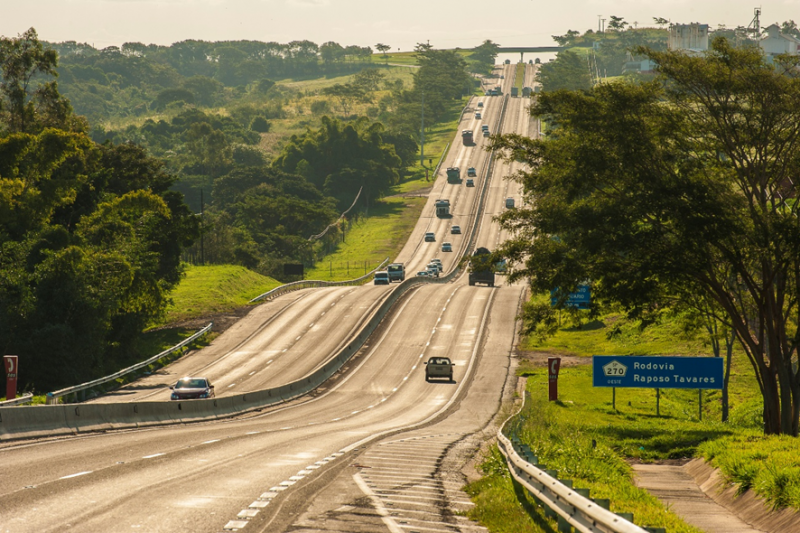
x: 76, y: 475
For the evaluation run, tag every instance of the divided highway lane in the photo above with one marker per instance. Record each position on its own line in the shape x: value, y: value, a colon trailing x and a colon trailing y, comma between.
x: 196, y: 478
x: 279, y: 341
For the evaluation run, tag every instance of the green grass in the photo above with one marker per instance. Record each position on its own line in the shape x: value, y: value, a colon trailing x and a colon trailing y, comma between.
x: 561, y: 433
x: 206, y: 290
x: 381, y: 233
x: 519, y: 78
x: 436, y: 140
x: 399, y: 58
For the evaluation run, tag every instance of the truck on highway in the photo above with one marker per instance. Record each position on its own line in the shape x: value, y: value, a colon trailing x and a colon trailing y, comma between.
x: 466, y: 137
x: 481, y: 269
x: 453, y: 175
x: 442, y: 208
x: 397, y: 272
x: 514, y: 91
x: 526, y: 91
x: 497, y: 91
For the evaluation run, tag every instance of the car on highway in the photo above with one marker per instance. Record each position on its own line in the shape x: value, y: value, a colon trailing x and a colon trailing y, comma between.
x: 455, y: 230
x: 430, y: 236
x: 470, y: 182
x: 502, y: 77
x: 480, y: 104
x: 436, y: 264
x: 192, y: 389
x: 423, y: 274
x: 433, y: 270
x: 437, y: 261
x: 381, y: 277
x: 485, y: 127
x: 471, y: 172
x: 447, y: 247
x: 478, y: 115
x: 486, y: 133
x: 439, y: 367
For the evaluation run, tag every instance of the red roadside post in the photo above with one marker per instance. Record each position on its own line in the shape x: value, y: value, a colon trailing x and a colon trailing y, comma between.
x: 553, y: 364
x: 10, y: 362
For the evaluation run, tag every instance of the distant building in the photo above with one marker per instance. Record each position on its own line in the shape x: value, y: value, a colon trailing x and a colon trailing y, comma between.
x: 775, y: 42
x: 689, y: 37
x: 642, y: 66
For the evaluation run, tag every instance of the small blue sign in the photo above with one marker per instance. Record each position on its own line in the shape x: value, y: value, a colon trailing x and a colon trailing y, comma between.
x: 657, y: 372
x: 581, y: 299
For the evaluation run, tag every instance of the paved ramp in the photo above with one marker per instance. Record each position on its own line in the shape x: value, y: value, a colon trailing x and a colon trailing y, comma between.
x: 677, y: 489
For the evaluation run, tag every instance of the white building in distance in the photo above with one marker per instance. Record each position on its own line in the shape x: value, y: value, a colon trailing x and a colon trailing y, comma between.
x: 690, y: 37
x: 775, y: 42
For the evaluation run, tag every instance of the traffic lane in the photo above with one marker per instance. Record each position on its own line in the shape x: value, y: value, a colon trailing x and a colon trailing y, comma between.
x: 250, y: 336
x: 317, y: 336
x: 463, y: 202
x: 157, y: 482
x: 37, y: 462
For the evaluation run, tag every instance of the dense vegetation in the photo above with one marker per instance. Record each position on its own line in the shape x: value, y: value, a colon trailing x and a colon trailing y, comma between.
x: 676, y: 194
x: 90, y: 235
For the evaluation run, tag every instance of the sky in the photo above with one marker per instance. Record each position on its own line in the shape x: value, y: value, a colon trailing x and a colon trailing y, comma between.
x: 398, y: 23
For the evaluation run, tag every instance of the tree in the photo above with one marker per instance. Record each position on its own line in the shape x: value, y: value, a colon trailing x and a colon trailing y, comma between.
x: 483, y: 57
x: 789, y: 27
x: 567, y: 38
x: 568, y: 71
x: 369, y: 79
x: 660, y: 21
x: 27, y: 103
x: 617, y: 23
x: 346, y: 94
x: 383, y: 48
x: 681, y: 186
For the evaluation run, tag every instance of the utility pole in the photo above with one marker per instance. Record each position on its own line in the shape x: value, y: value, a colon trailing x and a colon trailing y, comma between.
x: 422, y: 134
x: 202, y: 254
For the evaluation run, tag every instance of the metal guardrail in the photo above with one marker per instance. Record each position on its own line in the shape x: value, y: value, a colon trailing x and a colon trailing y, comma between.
x: 25, y: 398
x: 571, y: 507
x: 307, y: 284
x: 52, y: 397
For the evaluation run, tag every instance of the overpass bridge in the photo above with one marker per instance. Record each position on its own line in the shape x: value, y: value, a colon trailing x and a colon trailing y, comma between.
x: 521, y: 50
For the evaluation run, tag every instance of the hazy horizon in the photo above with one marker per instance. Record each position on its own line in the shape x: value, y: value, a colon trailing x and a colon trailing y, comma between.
x: 463, y: 24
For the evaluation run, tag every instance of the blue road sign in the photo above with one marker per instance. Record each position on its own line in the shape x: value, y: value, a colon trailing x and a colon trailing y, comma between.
x: 656, y: 372
x: 581, y: 299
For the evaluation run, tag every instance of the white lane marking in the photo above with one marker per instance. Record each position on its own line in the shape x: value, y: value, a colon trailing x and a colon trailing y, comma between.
x: 252, y: 433
x: 231, y: 385
x: 268, y: 362
x: 299, y: 337
x: 210, y: 441
x: 151, y: 456
x: 251, y: 373
x: 76, y: 475
x: 378, y: 504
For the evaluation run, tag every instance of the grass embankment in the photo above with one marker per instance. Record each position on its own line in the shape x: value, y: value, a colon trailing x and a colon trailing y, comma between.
x: 206, y: 290
x: 519, y: 78
x: 561, y: 433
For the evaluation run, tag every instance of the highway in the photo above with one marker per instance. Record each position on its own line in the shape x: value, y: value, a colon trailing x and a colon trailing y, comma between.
x: 320, y: 463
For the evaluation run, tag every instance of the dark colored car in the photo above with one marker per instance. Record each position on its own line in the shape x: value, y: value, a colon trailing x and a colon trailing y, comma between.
x: 439, y: 367
x: 192, y: 389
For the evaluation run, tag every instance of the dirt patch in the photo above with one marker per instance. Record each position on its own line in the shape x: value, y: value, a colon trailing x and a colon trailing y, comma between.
x: 669, y: 462
x: 540, y: 358
x: 412, y: 194
x: 222, y: 321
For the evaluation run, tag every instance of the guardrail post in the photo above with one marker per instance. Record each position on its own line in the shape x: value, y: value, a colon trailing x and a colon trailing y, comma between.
x: 605, y: 503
